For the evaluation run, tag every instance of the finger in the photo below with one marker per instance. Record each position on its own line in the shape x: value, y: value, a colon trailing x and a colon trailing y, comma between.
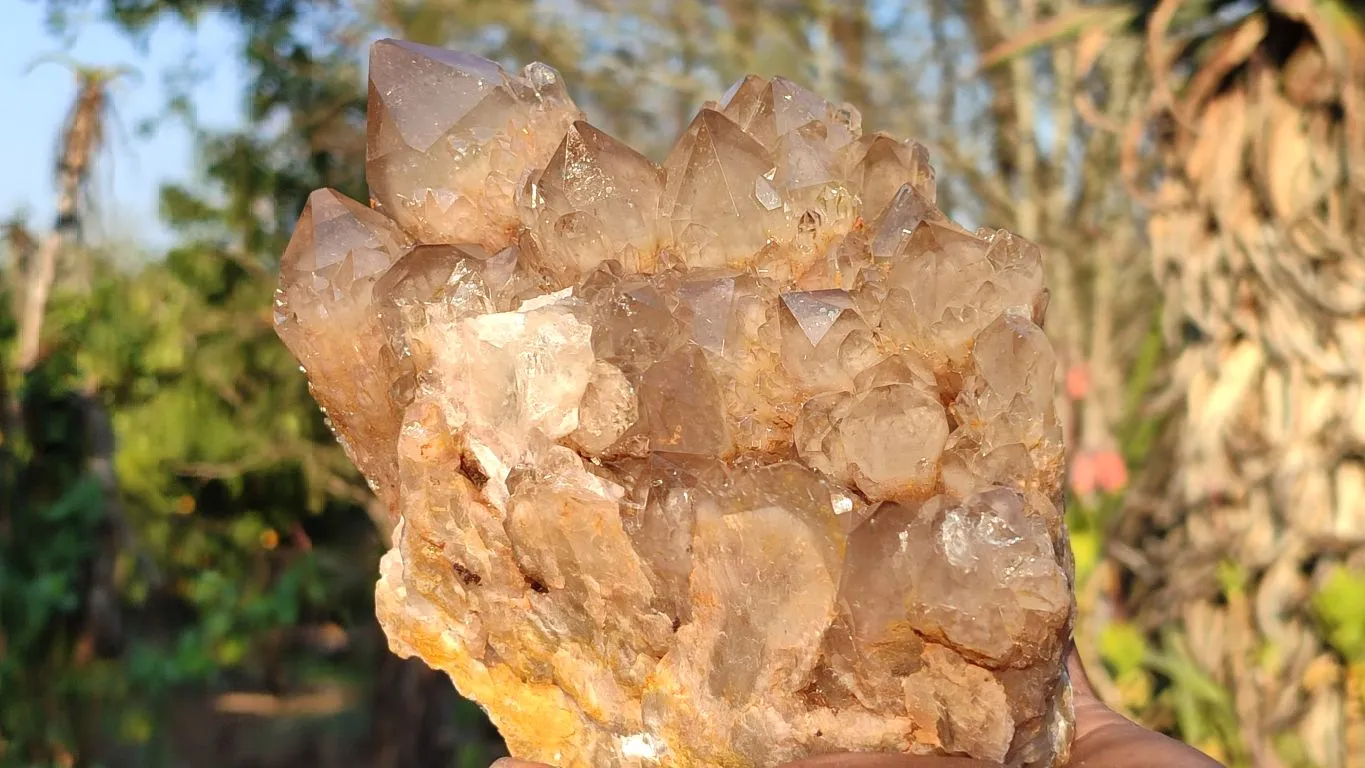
x: 512, y: 762
x: 873, y: 760
x: 1121, y: 743
x: 1107, y: 739
x: 1080, y: 679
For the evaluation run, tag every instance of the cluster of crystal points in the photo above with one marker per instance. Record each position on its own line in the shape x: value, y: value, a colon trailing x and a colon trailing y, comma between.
x: 730, y: 462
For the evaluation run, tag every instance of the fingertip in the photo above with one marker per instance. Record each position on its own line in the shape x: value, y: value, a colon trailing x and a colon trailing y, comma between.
x: 512, y: 762
x: 887, y: 760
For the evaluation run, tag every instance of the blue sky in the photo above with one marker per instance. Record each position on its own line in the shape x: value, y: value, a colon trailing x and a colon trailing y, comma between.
x: 133, y: 165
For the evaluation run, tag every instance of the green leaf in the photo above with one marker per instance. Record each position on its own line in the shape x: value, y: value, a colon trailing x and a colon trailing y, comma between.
x: 1232, y: 577
x: 1085, y: 545
x: 83, y: 500
x: 1123, y: 647
x: 1340, y: 607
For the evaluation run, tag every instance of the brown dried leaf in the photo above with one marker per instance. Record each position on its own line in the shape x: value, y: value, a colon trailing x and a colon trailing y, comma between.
x: 1089, y: 46
x: 1287, y: 156
x: 1213, y: 163
x: 1232, y: 52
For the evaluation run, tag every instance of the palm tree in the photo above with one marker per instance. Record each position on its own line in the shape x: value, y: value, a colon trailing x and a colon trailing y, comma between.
x: 34, y: 273
x: 82, y: 137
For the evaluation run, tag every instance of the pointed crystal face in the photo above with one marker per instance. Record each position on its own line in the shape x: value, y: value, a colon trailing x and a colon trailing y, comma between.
x: 710, y: 307
x: 449, y: 137
x: 681, y: 407
x: 672, y: 488
x: 720, y: 183
x: 336, y: 242
x: 425, y: 92
x: 431, y: 283
x: 880, y: 166
x: 741, y: 460
x: 596, y: 200
x: 323, y: 313
x: 825, y: 342
x: 804, y: 160
x: 898, y: 220
x: 887, y: 442
x: 769, y: 110
x: 817, y: 311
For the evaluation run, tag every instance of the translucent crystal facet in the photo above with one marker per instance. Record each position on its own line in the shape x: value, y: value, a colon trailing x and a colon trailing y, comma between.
x: 719, y: 197
x: 738, y: 460
x: 324, y: 315
x: 450, y: 135
x: 596, y: 200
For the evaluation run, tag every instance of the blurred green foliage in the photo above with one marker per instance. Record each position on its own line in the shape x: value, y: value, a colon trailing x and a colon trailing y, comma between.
x: 236, y: 521
x: 1340, y: 605
x: 226, y: 529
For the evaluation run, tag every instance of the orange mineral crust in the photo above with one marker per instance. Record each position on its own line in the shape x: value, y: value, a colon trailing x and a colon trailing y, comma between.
x: 737, y: 460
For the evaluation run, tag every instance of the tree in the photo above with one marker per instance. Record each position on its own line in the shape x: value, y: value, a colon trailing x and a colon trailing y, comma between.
x: 222, y: 533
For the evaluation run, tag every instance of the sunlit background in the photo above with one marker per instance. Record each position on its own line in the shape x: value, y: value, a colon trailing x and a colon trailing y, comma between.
x: 187, y: 559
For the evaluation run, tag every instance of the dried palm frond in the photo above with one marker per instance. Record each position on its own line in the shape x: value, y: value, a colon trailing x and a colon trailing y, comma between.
x: 1250, y: 155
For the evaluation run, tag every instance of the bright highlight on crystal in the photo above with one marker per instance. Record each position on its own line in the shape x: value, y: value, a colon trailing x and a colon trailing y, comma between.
x: 728, y: 462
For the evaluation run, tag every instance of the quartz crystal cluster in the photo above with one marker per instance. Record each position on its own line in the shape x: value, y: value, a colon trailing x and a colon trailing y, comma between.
x: 743, y: 458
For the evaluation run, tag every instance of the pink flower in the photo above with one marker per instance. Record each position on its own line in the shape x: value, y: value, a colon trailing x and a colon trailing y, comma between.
x: 1111, y: 472
x: 1083, y: 474
x: 1078, y: 381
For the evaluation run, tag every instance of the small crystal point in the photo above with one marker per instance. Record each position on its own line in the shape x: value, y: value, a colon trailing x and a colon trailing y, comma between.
x: 743, y: 99
x: 712, y: 174
x: 899, y: 219
x: 449, y: 137
x: 333, y: 228
x: 424, y: 92
x: 804, y: 159
x: 1014, y: 359
x: 815, y: 312
x: 710, y: 303
x: 681, y: 406
x: 881, y: 166
x: 597, y: 177
x: 769, y: 110
x: 825, y: 342
x: 431, y: 283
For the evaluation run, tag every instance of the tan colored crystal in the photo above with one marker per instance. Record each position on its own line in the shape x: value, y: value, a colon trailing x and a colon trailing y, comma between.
x: 596, y: 200
x: 825, y: 342
x: 770, y: 110
x: 881, y: 166
x: 742, y: 460
x: 887, y: 442
x: 450, y: 136
x: 720, y: 198
x: 323, y: 314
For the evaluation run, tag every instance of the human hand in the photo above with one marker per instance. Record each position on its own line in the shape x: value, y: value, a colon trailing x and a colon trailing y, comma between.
x: 1104, y: 739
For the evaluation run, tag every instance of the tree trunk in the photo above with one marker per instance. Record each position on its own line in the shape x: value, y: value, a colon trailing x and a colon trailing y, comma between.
x: 412, y: 715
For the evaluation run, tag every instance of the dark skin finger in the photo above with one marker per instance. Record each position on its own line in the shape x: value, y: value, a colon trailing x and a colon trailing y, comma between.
x: 850, y: 760
x: 1104, y: 739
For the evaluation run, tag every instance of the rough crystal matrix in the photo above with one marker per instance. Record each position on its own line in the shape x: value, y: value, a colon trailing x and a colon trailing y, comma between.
x: 740, y: 459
